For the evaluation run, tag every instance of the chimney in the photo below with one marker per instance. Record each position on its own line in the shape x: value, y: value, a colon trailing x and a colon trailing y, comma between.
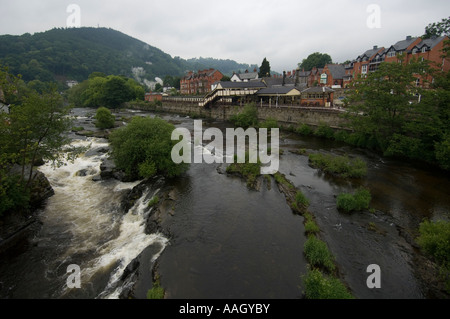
x: 284, y: 78
x: 408, y: 37
x: 375, y: 47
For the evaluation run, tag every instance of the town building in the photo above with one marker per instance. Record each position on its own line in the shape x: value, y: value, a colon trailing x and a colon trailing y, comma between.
x: 314, y: 76
x: 407, y: 50
x: 368, y: 61
x: 333, y: 76
x: 152, y: 97
x: 245, y: 77
x: 200, y: 82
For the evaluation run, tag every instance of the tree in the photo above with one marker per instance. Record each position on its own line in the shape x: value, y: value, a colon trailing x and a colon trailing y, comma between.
x: 317, y: 60
x: 437, y: 29
x: 116, y: 92
x: 264, y: 70
x: 111, y: 91
x: 143, y: 148
x: 104, y: 118
x: 386, y: 114
x: 33, y: 129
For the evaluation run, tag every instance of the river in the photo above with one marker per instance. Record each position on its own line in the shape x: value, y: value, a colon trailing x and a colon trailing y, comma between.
x: 225, y: 241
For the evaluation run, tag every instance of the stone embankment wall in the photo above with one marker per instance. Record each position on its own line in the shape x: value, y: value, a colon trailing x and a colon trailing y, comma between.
x: 284, y: 115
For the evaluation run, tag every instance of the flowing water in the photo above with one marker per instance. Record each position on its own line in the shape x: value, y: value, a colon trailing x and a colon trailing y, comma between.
x: 226, y: 241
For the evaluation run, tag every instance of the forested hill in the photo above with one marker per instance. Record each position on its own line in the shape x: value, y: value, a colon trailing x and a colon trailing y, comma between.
x: 74, y: 53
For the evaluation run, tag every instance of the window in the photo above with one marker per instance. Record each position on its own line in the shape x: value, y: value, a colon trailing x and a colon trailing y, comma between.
x: 424, y: 49
x: 414, y: 51
x: 417, y: 82
x: 391, y: 54
x: 364, y: 69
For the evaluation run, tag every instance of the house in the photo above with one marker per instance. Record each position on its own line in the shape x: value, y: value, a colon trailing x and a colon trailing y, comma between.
x: 405, y: 50
x: 301, y: 77
x: 152, y: 97
x: 314, y: 76
x: 333, y: 76
x: 245, y: 77
x: 317, y: 96
x: 367, y: 62
x: 200, y: 82
x: 401, y: 49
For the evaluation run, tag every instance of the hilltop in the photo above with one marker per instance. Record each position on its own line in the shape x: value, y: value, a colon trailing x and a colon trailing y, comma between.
x: 74, y: 53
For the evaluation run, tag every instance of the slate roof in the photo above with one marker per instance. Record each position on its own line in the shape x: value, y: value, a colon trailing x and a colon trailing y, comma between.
x: 404, y: 44
x: 337, y: 70
x: 430, y: 43
x: 277, y: 90
x: 278, y: 81
x: 242, y: 85
x: 248, y: 76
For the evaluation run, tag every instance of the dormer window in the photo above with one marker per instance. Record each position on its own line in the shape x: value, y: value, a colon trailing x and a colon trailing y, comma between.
x: 391, y: 54
x: 414, y: 51
x: 424, y: 49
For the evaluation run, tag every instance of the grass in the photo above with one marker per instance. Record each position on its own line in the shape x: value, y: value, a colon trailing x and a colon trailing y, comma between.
x: 77, y: 129
x: 339, y: 165
x: 318, y: 255
x: 154, y: 201
x: 434, y: 240
x: 311, y: 227
x: 301, y: 203
x: 157, y: 292
x: 357, y: 202
x: 304, y: 130
x: 281, y: 179
x: 318, y: 286
x: 249, y: 171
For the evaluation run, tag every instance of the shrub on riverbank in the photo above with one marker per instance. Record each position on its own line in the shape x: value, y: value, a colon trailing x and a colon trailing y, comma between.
x: 157, y: 292
x: 301, y: 202
x: 143, y: 148
x: 249, y: 171
x: 339, y: 165
x: 248, y: 117
x: 318, y: 286
x: 104, y: 118
x: 318, y: 255
x: 357, y: 202
x: 269, y: 123
x: 311, y: 227
x: 435, y: 240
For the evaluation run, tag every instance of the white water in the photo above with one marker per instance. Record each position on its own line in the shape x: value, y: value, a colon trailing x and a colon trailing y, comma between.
x: 84, y: 217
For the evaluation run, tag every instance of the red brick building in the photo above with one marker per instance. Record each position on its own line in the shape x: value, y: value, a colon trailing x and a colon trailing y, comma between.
x: 332, y: 75
x: 314, y: 77
x: 406, y: 50
x: 151, y: 97
x: 200, y: 82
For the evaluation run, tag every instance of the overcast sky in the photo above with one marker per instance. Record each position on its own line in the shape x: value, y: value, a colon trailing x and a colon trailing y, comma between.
x: 283, y: 31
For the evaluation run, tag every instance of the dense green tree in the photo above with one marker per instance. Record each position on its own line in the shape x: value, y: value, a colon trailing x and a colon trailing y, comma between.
x: 111, y: 91
x: 33, y: 129
x: 437, y: 29
x: 316, y: 59
x: 390, y: 113
x: 143, y: 148
x: 264, y: 69
x: 104, y: 119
